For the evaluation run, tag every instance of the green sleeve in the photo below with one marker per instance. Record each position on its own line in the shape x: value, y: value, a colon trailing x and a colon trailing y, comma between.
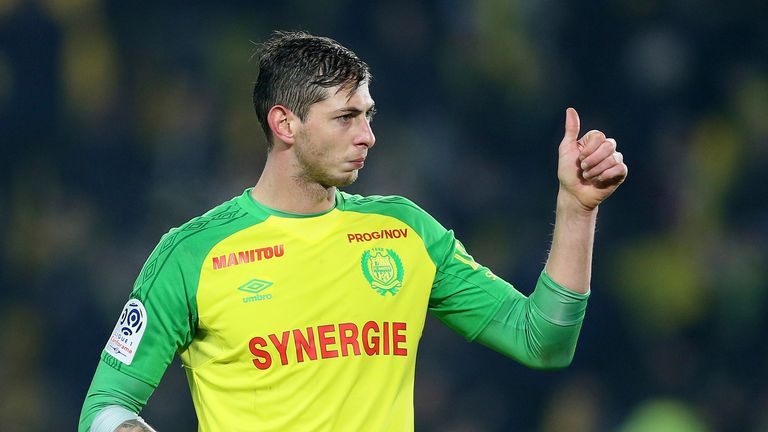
x: 166, y: 287
x: 158, y: 320
x: 465, y: 295
x: 110, y: 387
x: 540, y: 331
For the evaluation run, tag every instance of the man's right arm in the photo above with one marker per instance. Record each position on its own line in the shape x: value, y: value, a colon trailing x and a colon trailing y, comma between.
x: 118, y: 419
x: 158, y: 320
x: 134, y: 426
x: 113, y: 398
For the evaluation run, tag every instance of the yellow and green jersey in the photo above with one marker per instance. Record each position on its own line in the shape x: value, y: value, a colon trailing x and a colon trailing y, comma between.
x: 299, y: 322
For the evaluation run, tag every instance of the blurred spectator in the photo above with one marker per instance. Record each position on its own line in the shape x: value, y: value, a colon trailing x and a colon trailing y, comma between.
x: 118, y: 122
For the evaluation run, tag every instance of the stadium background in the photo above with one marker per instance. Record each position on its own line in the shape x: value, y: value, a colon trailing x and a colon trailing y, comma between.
x: 118, y: 121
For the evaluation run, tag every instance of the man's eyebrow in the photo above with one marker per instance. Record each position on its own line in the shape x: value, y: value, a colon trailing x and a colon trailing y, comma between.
x: 355, y: 110
x: 351, y: 110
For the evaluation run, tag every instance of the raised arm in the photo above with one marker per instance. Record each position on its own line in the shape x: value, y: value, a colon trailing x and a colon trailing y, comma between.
x: 589, y: 170
x: 541, y: 331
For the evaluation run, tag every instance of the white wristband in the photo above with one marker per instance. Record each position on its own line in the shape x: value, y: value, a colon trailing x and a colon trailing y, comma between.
x: 111, y: 417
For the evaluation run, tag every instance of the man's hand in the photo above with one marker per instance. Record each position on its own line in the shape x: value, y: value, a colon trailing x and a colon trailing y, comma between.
x: 134, y: 426
x: 590, y: 168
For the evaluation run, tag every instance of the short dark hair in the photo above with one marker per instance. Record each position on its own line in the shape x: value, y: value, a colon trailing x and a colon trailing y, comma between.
x: 296, y: 69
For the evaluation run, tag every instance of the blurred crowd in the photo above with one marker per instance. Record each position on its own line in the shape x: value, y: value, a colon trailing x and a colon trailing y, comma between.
x: 119, y: 120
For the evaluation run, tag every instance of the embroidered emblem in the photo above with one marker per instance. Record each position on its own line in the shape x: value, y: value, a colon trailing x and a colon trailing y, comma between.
x: 383, y: 270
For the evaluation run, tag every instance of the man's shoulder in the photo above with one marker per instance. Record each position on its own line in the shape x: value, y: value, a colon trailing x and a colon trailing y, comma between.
x: 351, y: 202
x: 389, y: 205
x: 213, y: 225
x: 215, y: 217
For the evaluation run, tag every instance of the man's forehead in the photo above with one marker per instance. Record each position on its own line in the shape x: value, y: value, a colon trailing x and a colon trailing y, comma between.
x: 359, y: 97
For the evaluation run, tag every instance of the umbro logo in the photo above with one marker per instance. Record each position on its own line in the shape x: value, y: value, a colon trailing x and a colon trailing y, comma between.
x: 255, y: 287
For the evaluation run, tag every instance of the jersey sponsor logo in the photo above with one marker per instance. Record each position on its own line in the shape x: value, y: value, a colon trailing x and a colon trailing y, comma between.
x: 329, y: 341
x: 383, y: 270
x: 376, y: 235
x: 126, y: 335
x: 256, y: 286
x: 247, y: 256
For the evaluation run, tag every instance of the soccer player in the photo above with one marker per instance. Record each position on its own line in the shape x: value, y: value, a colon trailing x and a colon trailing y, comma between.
x: 296, y: 306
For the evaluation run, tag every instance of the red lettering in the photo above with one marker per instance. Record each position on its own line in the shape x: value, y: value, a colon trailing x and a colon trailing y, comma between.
x: 247, y: 256
x: 219, y: 262
x: 350, y: 237
x: 305, y: 346
x: 387, y: 233
x: 370, y: 344
x: 325, y: 341
x: 348, y: 339
x: 404, y: 232
x: 385, y: 337
x: 282, y: 346
x: 334, y: 340
x: 358, y: 237
x: 243, y: 257
x: 397, y: 338
x: 266, y: 359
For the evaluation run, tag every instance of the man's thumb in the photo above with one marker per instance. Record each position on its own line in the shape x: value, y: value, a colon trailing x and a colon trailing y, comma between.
x: 572, y: 125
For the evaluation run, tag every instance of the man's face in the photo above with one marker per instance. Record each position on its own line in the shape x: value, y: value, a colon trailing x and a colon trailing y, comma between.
x: 333, y: 142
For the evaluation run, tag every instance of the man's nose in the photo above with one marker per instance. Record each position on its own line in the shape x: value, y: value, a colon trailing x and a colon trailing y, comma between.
x: 366, y: 136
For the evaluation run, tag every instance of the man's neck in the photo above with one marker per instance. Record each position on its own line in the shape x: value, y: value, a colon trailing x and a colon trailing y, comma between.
x: 289, y: 194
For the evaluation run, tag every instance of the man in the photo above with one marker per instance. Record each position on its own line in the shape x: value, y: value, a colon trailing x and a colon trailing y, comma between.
x: 296, y: 306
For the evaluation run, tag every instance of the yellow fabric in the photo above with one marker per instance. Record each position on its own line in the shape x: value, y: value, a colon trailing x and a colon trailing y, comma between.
x: 315, y: 289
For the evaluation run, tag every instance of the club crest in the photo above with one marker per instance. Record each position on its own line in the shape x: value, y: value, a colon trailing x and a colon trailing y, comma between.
x: 383, y: 270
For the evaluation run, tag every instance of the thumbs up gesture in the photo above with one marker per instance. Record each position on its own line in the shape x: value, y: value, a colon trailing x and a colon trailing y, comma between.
x: 590, y: 168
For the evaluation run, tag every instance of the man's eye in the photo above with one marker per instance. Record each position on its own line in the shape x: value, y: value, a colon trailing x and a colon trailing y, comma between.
x: 345, y: 118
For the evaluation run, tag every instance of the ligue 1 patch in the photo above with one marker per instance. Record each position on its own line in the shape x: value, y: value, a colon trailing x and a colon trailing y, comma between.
x: 128, y: 331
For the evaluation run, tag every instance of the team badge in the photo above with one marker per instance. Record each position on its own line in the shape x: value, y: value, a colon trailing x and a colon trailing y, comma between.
x: 383, y: 270
x: 128, y: 331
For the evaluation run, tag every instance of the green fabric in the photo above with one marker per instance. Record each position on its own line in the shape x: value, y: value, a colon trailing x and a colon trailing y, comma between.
x: 403, y: 209
x: 262, y: 212
x: 110, y: 387
x: 540, y: 331
x: 465, y: 295
x: 167, y: 286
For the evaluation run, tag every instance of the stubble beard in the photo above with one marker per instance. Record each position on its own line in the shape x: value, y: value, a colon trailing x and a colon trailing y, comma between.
x: 310, y: 172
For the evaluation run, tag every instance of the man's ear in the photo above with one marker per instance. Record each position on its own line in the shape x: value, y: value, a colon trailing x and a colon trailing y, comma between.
x: 280, y: 119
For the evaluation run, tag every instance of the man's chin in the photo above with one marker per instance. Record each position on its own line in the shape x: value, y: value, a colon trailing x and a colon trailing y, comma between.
x: 342, y: 181
x: 348, y: 181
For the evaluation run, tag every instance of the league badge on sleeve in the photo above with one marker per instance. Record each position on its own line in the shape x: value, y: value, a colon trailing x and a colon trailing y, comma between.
x: 128, y: 331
